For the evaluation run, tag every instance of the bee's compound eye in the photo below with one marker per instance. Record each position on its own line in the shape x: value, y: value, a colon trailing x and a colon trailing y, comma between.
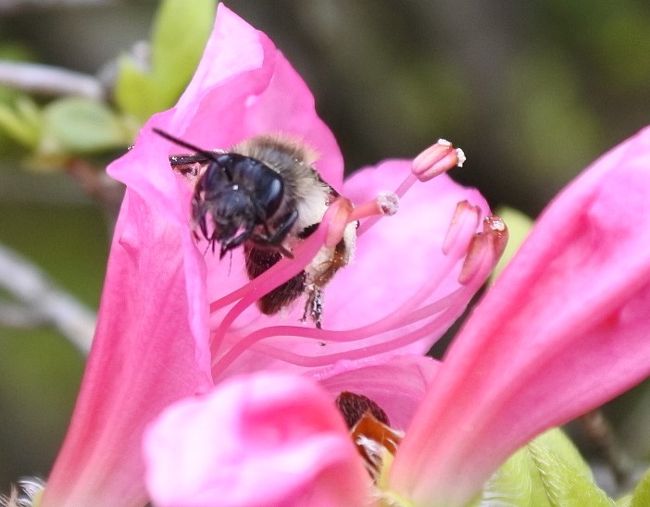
x: 275, y: 191
x: 269, y: 190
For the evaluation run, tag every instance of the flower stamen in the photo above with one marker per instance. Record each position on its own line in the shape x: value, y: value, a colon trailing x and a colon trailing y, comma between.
x: 485, y: 249
x: 477, y: 251
x: 435, y: 160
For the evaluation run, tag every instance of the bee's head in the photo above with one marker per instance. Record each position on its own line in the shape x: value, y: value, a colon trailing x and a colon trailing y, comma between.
x: 239, y: 193
x: 229, y: 205
x: 235, y: 195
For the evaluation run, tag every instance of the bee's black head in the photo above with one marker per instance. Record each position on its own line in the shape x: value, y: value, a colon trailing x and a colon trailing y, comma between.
x: 237, y: 194
x: 240, y: 194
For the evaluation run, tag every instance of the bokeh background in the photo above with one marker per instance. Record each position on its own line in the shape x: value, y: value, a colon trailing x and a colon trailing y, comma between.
x: 532, y: 90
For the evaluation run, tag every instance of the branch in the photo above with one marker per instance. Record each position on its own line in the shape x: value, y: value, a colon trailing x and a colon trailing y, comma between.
x: 98, y: 186
x: 600, y: 433
x: 9, y: 6
x: 44, y: 299
x: 49, y: 80
x: 19, y: 316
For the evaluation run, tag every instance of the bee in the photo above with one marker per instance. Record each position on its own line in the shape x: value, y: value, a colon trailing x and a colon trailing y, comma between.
x: 265, y: 195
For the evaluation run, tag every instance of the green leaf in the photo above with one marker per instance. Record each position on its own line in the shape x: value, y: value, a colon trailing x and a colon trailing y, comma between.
x: 641, y: 494
x: 180, y: 32
x: 22, y: 122
x: 519, y: 225
x: 548, y: 472
x: 135, y: 90
x: 625, y: 501
x: 79, y: 125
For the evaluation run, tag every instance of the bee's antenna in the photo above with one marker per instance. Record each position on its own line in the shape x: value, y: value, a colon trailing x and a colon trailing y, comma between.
x: 207, y: 154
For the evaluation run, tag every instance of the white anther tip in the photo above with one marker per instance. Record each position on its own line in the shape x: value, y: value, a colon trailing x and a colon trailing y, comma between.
x: 460, y: 155
x: 388, y: 203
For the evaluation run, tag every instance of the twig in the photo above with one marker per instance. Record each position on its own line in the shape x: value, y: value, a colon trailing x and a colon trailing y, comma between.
x: 19, y: 316
x: 17, y: 5
x: 600, y: 433
x: 48, y: 80
x: 44, y: 299
x: 98, y: 186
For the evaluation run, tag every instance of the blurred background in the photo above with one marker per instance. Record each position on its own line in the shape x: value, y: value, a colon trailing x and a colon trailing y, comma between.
x: 533, y: 91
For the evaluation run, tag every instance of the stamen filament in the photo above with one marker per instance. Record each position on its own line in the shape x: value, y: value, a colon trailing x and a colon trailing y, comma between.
x: 466, y: 217
x: 434, y: 327
x: 465, y: 230
x: 386, y: 203
x: 435, y: 160
x: 394, y: 321
x: 401, y: 190
x: 284, y: 270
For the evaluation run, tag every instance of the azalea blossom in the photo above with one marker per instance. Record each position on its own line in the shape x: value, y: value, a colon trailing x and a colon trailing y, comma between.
x: 174, y: 320
x: 276, y: 439
x: 563, y: 330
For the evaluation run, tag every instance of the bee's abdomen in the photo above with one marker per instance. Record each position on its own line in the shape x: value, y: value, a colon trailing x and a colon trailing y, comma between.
x: 258, y: 261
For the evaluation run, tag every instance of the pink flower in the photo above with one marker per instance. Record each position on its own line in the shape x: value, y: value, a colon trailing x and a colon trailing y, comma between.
x: 174, y: 320
x: 275, y: 439
x: 562, y: 331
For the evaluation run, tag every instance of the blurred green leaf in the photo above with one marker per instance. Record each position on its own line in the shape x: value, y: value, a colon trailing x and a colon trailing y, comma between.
x: 134, y: 90
x: 180, y: 32
x: 624, y: 501
x: 548, y: 472
x: 21, y: 121
x: 79, y: 125
x: 13, y: 52
x: 641, y: 494
x: 518, y: 225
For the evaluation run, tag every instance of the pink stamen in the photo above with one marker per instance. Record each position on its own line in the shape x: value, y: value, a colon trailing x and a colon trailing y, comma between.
x: 434, y: 327
x: 466, y: 219
x: 485, y: 249
x: 338, y: 222
x: 435, y: 160
x: 386, y: 203
x: 480, y: 252
x: 272, y: 278
x: 395, y: 321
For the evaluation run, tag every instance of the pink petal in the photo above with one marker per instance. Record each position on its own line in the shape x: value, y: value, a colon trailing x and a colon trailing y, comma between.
x: 563, y: 330
x: 265, y: 439
x: 143, y: 335
x: 243, y: 87
x: 151, y: 346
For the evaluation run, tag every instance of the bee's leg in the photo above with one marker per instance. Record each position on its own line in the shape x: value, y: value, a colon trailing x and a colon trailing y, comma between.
x: 283, y: 228
x: 232, y: 243
x: 275, y: 239
x: 181, y: 160
x: 314, y: 305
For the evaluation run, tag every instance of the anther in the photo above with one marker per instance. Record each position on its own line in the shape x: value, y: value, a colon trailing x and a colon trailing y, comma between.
x: 485, y: 249
x: 465, y: 220
x: 437, y: 159
x: 386, y: 203
x: 353, y: 406
x: 497, y: 226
